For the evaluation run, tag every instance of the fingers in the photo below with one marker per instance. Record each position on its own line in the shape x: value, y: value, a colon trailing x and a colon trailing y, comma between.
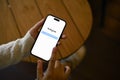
x: 67, y: 71
x: 39, y: 69
x: 35, y: 29
x: 53, y: 59
x: 58, y: 64
x: 39, y: 24
x: 63, y: 36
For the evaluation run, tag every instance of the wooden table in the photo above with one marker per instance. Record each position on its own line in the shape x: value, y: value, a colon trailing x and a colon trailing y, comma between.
x: 18, y: 16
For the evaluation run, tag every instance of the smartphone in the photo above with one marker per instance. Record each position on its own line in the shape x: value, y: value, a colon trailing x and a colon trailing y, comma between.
x: 48, y: 37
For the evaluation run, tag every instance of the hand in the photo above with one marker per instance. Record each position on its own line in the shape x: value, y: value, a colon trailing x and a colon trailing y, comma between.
x: 55, y: 70
x: 35, y: 29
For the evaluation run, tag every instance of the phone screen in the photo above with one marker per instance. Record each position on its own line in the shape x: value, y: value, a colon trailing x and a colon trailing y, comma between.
x: 48, y: 37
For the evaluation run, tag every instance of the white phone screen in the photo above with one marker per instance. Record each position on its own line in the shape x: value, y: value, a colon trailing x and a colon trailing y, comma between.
x: 48, y: 37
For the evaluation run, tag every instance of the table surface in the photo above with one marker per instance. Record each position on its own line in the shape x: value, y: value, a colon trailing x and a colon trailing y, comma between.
x: 18, y: 16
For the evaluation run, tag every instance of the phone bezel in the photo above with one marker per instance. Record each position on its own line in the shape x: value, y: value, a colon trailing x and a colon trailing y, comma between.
x: 40, y: 31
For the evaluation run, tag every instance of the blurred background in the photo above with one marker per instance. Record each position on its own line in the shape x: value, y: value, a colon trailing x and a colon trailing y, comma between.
x: 102, y: 60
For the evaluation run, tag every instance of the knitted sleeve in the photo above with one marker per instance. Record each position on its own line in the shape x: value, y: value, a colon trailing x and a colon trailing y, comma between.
x: 12, y: 52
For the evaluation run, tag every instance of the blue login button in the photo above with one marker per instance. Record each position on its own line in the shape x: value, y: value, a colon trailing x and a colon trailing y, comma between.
x: 48, y: 34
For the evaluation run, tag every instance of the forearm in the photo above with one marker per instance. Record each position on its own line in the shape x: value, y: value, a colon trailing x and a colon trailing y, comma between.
x: 14, y: 51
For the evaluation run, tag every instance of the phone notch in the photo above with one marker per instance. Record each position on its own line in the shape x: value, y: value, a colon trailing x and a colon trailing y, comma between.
x: 56, y: 19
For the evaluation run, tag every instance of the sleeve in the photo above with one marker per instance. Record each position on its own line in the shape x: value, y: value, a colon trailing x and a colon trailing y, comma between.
x: 12, y: 52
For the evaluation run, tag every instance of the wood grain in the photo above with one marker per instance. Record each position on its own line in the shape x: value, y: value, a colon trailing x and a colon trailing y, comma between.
x: 26, y: 15
x: 74, y: 38
x: 8, y: 27
x: 80, y: 12
x: 23, y: 14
